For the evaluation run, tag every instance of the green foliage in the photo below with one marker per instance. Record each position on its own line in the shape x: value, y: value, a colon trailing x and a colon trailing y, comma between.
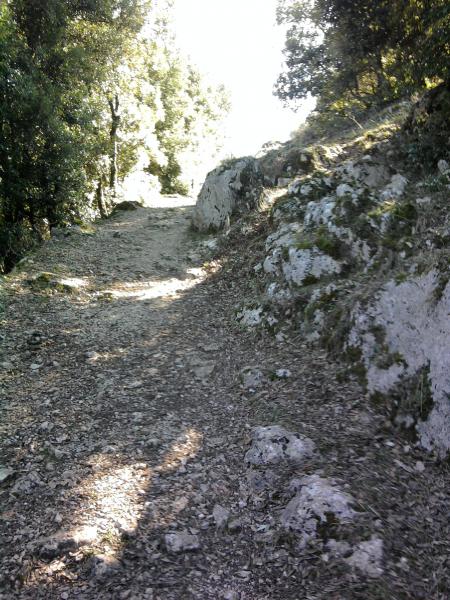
x: 354, y: 54
x: 327, y: 243
x: 86, y: 103
x: 323, y: 240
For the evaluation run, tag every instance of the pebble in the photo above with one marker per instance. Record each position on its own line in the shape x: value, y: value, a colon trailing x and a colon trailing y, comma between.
x: 420, y: 467
x: 5, y: 473
x: 221, y: 516
x: 283, y: 373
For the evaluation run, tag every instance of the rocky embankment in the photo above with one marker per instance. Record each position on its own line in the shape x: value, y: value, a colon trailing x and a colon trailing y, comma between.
x: 357, y: 259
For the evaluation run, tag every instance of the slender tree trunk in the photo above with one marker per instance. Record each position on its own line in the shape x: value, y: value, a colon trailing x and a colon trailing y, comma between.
x: 115, y: 123
x: 101, y: 200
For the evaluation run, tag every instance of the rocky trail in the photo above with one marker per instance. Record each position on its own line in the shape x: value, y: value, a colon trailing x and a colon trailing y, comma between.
x: 130, y: 466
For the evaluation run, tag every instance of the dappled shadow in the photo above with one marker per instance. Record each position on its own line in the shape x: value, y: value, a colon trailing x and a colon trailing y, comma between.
x: 111, y: 414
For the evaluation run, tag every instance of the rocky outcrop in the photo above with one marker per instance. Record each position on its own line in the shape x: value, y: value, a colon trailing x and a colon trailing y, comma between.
x: 233, y: 188
x: 357, y: 259
x: 403, y: 336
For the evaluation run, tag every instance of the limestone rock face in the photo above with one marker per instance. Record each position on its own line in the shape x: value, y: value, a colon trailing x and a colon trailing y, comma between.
x: 232, y: 189
x: 412, y: 318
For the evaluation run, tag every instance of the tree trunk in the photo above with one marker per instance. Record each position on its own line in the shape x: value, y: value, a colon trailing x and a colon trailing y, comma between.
x: 115, y: 123
x: 101, y: 200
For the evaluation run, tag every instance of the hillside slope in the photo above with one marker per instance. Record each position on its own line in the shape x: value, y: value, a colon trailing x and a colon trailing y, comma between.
x: 356, y: 258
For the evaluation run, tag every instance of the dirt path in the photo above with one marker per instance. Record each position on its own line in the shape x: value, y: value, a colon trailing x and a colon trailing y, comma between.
x: 124, y: 427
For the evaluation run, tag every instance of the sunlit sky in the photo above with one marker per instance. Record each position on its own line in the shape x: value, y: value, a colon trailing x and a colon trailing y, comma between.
x: 237, y: 43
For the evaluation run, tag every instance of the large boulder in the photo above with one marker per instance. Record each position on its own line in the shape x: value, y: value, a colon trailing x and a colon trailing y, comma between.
x: 234, y: 188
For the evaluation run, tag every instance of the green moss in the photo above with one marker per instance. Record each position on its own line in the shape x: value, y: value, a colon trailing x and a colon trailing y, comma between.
x: 353, y: 354
x: 380, y: 401
x: 304, y: 244
x: 337, y: 330
x: 438, y: 291
x: 381, y: 210
x: 401, y: 278
x: 44, y: 277
x: 310, y: 280
x: 324, y: 302
x: 379, y: 333
x: 435, y: 183
x: 360, y: 371
x: 404, y: 211
x: 87, y: 229
x: 328, y: 244
x: 388, y: 359
x: 412, y: 396
x: 363, y: 228
x: 391, y: 242
x: 292, y: 208
x: 342, y: 376
x: 323, y: 240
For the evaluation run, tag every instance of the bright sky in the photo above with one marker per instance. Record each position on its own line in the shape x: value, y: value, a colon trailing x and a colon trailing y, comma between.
x: 237, y: 43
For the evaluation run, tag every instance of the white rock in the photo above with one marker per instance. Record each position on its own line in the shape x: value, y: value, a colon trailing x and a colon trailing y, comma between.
x: 279, y: 295
x: 27, y: 484
x: 5, y: 473
x: 252, y: 378
x: 302, y: 264
x: 64, y: 541
x: 270, y: 264
x: 211, y: 244
x: 396, y: 187
x: 181, y: 542
x: 283, y: 237
x: 250, y: 317
x: 204, y: 371
x: 417, y: 328
x: 444, y: 167
x: 225, y: 191
x: 344, y: 189
x: 105, y: 565
x: 368, y: 557
x: 419, y: 466
x: 273, y: 445
x: 338, y: 548
x: 283, y: 373
x: 70, y: 284
x: 315, y: 500
x: 320, y: 213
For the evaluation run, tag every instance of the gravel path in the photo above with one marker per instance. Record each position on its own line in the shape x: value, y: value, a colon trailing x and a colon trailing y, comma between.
x: 124, y: 426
